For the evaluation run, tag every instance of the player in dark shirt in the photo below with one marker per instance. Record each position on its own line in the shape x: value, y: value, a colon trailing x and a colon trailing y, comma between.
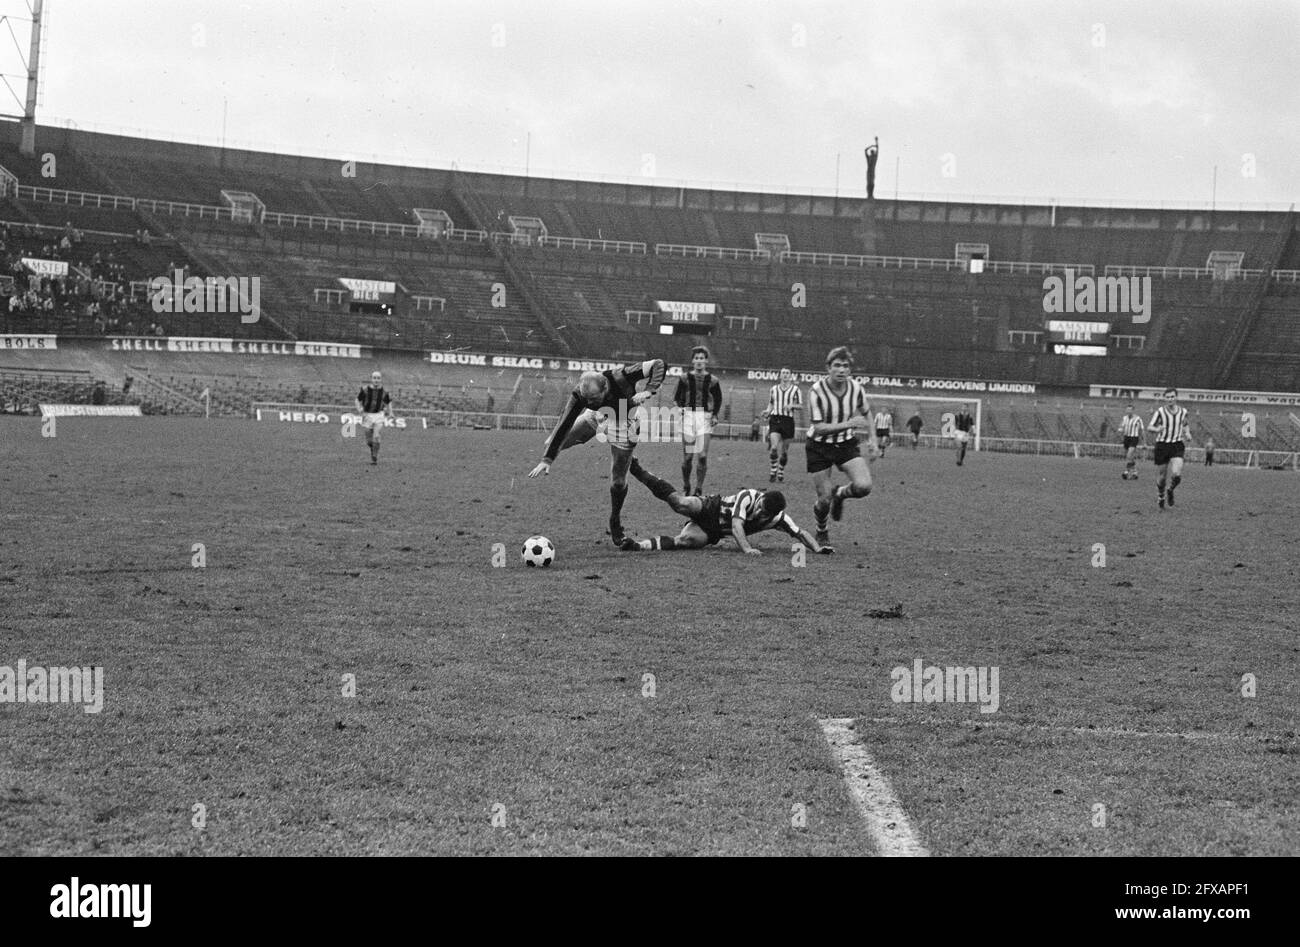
x: 603, y: 403
x: 375, y: 407
x: 965, y: 425
x: 713, y: 518
x: 699, y: 396
x: 914, y: 424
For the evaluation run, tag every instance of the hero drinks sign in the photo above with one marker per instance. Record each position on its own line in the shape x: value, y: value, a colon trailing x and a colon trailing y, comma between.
x: 320, y: 417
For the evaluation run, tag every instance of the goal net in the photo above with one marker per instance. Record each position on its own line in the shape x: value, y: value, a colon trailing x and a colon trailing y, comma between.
x: 938, y: 417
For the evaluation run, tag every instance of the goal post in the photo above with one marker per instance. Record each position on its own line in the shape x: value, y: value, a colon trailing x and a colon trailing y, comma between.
x: 938, y: 416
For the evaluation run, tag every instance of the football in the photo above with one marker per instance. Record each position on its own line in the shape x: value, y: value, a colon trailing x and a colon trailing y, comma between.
x: 538, y: 552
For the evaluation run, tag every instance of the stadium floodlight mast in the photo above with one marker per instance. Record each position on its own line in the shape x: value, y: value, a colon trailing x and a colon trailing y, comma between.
x: 31, y: 67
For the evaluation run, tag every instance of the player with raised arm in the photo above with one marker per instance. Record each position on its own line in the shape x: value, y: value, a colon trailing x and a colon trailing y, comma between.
x: 713, y: 518
x: 699, y: 396
x: 603, y: 402
x: 1169, y: 425
x: 1132, y: 429
x: 839, y: 409
x: 783, y: 402
x: 375, y: 407
x: 964, y: 425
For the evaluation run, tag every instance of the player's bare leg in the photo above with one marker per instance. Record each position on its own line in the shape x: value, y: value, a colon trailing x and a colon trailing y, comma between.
x: 825, y: 488
x: 775, y: 455
x: 620, y: 460
x: 688, y: 459
x: 691, y: 536
x: 701, y: 462
x: 1175, y: 478
x: 859, y: 485
x: 1161, y: 472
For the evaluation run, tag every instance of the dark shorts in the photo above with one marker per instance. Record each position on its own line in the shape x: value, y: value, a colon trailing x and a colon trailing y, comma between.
x: 824, y: 456
x: 882, y: 432
x: 1131, y: 442
x: 709, y: 518
x: 781, y: 424
x: 1166, y: 452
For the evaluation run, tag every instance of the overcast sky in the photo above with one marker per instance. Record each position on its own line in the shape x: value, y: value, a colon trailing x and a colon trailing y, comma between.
x: 1135, y: 101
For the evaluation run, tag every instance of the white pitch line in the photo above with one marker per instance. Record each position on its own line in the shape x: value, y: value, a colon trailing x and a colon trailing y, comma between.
x: 1085, y: 731
x: 871, y: 792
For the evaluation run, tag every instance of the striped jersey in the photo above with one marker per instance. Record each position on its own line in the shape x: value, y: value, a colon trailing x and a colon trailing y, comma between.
x: 1131, y: 426
x: 698, y: 393
x: 747, y: 506
x: 1170, y: 425
x: 830, y: 408
x: 373, y: 399
x: 783, y: 402
x: 884, y: 421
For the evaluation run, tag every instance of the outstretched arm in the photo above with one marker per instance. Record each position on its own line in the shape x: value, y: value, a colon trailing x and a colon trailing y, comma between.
x: 556, y: 441
x: 738, y: 534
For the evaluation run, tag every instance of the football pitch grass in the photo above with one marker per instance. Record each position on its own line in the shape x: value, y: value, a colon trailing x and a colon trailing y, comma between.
x: 630, y: 703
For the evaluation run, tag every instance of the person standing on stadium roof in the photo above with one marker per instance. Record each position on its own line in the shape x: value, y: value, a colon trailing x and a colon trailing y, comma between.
x: 839, y: 409
x: 873, y: 153
x: 783, y: 402
x: 699, y: 396
x: 603, y: 403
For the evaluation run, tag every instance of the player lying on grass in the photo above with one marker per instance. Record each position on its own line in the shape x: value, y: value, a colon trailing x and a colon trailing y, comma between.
x: 714, y: 517
x: 604, y: 402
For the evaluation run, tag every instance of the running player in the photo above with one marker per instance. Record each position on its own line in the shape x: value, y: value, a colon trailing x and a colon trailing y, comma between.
x: 884, y: 427
x: 782, y: 403
x: 1169, y: 424
x: 713, y: 518
x: 914, y: 424
x: 1132, y: 429
x: 375, y: 407
x: 839, y: 409
x: 965, y: 426
x: 603, y: 403
x: 700, y: 398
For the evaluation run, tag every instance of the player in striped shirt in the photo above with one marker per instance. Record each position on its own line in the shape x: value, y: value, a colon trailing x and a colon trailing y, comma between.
x: 1132, y: 429
x: 375, y: 407
x: 884, y: 428
x: 784, y: 400
x: 839, y: 409
x: 603, y: 403
x: 699, y: 396
x: 713, y: 518
x: 1169, y: 424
